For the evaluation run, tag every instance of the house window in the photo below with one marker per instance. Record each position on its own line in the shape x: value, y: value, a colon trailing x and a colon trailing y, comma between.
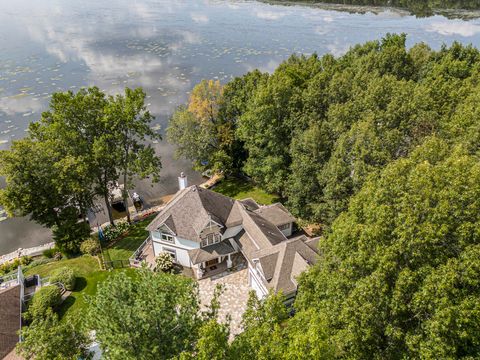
x: 284, y: 226
x: 211, y: 239
x: 167, y: 238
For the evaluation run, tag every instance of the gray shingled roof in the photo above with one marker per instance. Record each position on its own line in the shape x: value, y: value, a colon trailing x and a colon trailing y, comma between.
x: 210, y: 252
x: 293, y: 257
x: 281, y: 259
x: 268, y: 264
x: 276, y: 214
x: 261, y: 230
x: 9, y: 319
x: 191, y: 209
x: 250, y: 204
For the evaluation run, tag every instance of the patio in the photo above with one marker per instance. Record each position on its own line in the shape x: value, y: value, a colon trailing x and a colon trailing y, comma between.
x: 233, y: 300
x: 144, y: 254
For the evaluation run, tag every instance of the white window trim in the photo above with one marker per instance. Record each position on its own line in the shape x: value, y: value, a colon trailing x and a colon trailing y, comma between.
x: 211, y: 239
x: 168, y: 238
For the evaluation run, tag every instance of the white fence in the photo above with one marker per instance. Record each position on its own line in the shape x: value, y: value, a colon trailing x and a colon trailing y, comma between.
x: 33, y: 251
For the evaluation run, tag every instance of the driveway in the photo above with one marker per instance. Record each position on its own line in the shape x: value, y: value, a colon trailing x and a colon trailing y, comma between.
x: 233, y: 300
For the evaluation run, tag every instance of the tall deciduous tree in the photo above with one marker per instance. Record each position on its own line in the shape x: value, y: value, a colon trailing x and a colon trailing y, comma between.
x: 129, y: 122
x: 147, y: 316
x: 198, y: 130
x: 74, y: 154
x: 400, y: 268
x: 49, y: 339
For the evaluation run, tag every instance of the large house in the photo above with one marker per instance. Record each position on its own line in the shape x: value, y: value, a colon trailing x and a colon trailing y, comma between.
x: 204, y: 230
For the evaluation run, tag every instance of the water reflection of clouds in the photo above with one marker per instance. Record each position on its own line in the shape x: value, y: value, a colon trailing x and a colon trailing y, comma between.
x: 454, y: 27
x: 141, y: 56
x: 199, y: 18
x: 12, y: 105
x: 338, y: 48
x: 269, y: 15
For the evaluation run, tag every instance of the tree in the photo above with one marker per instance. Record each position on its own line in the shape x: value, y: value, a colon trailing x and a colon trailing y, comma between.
x: 78, y: 120
x: 129, y: 122
x: 399, y: 269
x: 262, y: 336
x: 148, y: 316
x: 53, y: 189
x: 205, y: 130
x: 199, y: 131
x: 74, y: 154
x: 212, y: 343
x: 271, y: 120
x: 49, y: 339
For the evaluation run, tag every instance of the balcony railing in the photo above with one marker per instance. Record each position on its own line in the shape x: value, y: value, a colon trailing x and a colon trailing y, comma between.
x: 136, y: 260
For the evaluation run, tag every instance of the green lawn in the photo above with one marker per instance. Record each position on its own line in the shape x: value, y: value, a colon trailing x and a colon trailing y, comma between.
x: 240, y: 189
x: 89, y: 276
x: 125, y: 247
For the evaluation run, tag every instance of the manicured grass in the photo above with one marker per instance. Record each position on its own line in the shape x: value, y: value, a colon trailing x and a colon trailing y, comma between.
x: 241, y: 189
x: 125, y: 247
x: 82, y: 266
x: 88, y: 275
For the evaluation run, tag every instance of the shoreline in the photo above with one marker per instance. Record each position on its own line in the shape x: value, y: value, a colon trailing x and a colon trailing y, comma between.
x: 464, y: 14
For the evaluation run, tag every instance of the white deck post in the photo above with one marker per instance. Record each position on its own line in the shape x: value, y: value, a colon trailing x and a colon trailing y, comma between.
x: 229, y: 262
x: 199, y: 271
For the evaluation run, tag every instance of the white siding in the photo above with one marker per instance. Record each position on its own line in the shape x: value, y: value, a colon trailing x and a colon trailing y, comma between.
x: 181, y: 247
x: 256, y: 284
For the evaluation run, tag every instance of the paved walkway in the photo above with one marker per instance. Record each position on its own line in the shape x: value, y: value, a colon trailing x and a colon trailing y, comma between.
x: 233, y: 300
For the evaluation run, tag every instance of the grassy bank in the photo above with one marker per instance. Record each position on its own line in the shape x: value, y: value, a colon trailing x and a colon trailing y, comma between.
x: 126, y: 246
x: 241, y: 189
x: 88, y: 275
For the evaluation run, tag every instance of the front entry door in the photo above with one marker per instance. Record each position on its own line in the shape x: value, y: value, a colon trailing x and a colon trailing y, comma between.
x: 212, y: 262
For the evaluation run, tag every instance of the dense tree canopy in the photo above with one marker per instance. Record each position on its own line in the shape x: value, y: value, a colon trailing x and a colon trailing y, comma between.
x: 47, y: 338
x: 147, y: 316
x: 317, y: 127
x: 400, y: 269
x: 382, y: 146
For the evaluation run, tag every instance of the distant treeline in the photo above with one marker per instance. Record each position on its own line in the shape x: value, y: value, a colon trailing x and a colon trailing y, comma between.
x: 419, y: 8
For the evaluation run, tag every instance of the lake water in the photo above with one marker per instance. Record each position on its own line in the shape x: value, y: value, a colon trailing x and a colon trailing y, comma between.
x: 167, y: 47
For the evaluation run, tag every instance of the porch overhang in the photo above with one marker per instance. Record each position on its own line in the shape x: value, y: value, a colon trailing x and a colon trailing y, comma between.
x: 210, y: 252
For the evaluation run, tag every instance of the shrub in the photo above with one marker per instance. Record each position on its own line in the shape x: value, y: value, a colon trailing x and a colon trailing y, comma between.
x: 49, y: 253
x: 90, y: 247
x: 46, y: 298
x: 25, y: 260
x: 12, y: 265
x: 70, y: 235
x: 113, y: 232
x: 66, y: 276
x: 164, y: 262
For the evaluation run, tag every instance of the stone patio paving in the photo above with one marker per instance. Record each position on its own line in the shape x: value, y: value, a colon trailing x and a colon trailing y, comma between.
x: 233, y: 300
